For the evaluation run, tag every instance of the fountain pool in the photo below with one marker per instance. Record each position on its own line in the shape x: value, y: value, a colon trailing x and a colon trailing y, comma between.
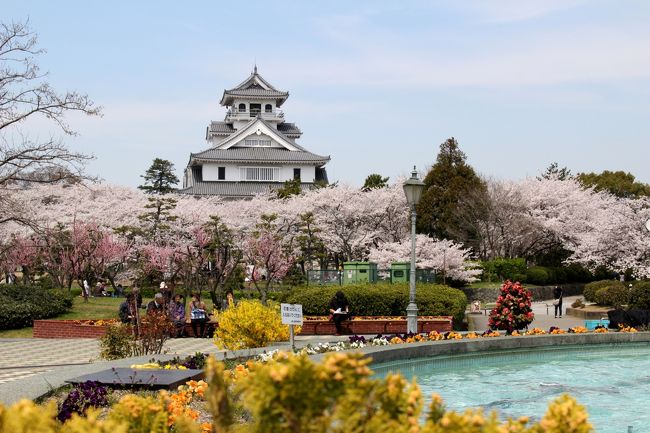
x: 611, y: 380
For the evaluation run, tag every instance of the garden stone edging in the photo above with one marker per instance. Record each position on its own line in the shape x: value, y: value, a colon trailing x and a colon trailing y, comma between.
x: 396, y: 352
x: 542, y: 293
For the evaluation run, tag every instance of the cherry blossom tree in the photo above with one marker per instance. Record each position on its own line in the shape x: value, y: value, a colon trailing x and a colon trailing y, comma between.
x: 269, y: 262
x: 445, y: 256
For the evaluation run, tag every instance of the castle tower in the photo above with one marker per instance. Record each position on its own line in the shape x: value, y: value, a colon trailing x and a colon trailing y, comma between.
x: 253, y: 150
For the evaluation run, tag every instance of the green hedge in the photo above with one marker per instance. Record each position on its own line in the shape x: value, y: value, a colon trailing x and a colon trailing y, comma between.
x: 640, y: 295
x: 20, y: 305
x: 383, y: 300
x: 589, y: 292
x: 614, y: 295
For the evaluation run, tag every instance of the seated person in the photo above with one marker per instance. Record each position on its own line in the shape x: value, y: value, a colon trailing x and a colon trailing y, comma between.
x: 157, y: 305
x: 339, y: 310
x: 177, y: 315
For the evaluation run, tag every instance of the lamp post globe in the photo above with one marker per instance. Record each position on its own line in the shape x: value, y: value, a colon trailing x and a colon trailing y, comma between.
x: 413, y: 188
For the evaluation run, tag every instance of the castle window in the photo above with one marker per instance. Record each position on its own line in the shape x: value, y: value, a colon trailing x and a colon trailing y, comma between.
x: 254, y: 142
x: 255, y: 109
x: 242, y: 108
x: 268, y: 108
x: 221, y: 175
x: 296, y: 174
x: 259, y: 174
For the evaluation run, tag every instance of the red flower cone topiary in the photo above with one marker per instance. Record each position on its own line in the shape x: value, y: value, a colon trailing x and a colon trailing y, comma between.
x: 513, y: 310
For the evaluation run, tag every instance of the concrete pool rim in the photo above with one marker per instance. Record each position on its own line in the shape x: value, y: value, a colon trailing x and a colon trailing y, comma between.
x: 432, y: 349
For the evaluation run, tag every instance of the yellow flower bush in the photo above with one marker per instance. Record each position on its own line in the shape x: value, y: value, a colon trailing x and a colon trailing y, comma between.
x: 630, y: 329
x: 435, y: 335
x: 601, y: 330
x: 578, y: 330
x: 454, y: 336
x: 536, y: 331
x: 473, y: 335
x: 250, y: 324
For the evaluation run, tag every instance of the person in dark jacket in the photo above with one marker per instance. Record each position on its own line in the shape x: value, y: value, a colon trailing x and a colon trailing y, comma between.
x: 557, y: 301
x: 339, y: 310
x: 157, y: 306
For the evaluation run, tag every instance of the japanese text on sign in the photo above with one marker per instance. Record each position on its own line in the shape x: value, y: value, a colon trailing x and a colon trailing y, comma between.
x: 291, y: 314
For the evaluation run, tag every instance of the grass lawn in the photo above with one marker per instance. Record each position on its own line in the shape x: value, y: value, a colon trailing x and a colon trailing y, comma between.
x: 95, y: 308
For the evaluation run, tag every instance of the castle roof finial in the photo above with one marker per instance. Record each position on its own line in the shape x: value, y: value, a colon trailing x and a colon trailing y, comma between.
x: 255, y: 68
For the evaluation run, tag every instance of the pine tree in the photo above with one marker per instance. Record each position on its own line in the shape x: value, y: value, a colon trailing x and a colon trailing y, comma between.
x: 448, y: 185
x: 513, y: 310
x: 159, y: 181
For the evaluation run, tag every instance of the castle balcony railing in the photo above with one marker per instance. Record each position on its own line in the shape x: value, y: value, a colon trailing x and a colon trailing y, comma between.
x: 235, y: 114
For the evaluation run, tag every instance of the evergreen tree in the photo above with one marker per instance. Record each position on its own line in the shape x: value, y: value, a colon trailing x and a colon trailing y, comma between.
x: 374, y: 181
x: 290, y: 188
x: 513, y: 311
x: 554, y: 171
x: 619, y: 183
x: 159, y: 181
x: 448, y: 185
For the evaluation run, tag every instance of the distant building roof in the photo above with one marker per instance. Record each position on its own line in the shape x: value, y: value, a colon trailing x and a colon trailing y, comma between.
x: 254, y: 87
x: 258, y: 155
x: 235, y: 189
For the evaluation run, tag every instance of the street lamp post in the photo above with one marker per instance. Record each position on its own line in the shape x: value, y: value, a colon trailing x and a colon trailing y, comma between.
x: 413, y: 188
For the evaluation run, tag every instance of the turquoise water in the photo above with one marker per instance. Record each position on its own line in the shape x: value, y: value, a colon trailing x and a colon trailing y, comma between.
x: 611, y: 381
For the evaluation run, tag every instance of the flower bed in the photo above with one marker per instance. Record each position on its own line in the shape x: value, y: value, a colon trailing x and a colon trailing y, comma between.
x: 320, y: 325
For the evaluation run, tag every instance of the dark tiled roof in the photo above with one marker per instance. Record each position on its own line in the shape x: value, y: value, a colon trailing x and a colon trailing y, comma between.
x: 289, y: 129
x: 235, y: 189
x: 221, y: 128
x: 259, y: 154
x: 257, y: 93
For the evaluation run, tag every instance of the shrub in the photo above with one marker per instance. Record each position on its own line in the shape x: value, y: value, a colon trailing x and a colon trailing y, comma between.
x: 20, y: 305
x: 250, y: 324
x: 615, y: 295
x: 117, y: 342
x: 640, y: 295
x: 589, y: 291
x: 383, y: 300
x: 503, y: 269
x: 513, y: 310
x: 537, y: 275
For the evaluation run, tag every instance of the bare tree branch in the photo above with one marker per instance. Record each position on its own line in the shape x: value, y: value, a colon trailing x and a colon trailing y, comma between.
x: 25, y: 95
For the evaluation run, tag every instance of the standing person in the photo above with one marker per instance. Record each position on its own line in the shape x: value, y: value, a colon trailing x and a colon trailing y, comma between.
x: 85, y: 290
x: 198, y: 315
x: 177, y: 315
x: 557, y: 301
x: 166, y: 292
x: 339, y: 310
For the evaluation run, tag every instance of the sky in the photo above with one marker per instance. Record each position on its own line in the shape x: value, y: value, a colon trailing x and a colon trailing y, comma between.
x: 377, y: 85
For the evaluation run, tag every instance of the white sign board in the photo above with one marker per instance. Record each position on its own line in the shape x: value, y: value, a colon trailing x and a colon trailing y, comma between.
x: 291, y: 314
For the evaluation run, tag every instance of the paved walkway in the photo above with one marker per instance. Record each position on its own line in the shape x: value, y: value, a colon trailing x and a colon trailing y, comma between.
x: 544, y: 318
x: 30, y: 367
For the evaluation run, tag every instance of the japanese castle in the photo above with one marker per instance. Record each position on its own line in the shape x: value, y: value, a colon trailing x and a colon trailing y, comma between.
x: 253, y: 150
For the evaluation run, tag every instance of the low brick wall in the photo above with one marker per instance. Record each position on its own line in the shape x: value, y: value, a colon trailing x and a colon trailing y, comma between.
x: 71, y: 329
x: 66, y: 329
x: 366, y: 327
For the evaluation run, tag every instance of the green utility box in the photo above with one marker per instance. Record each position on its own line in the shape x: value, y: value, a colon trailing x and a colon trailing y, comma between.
x: 359, y: 272
x: 399, y: 272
